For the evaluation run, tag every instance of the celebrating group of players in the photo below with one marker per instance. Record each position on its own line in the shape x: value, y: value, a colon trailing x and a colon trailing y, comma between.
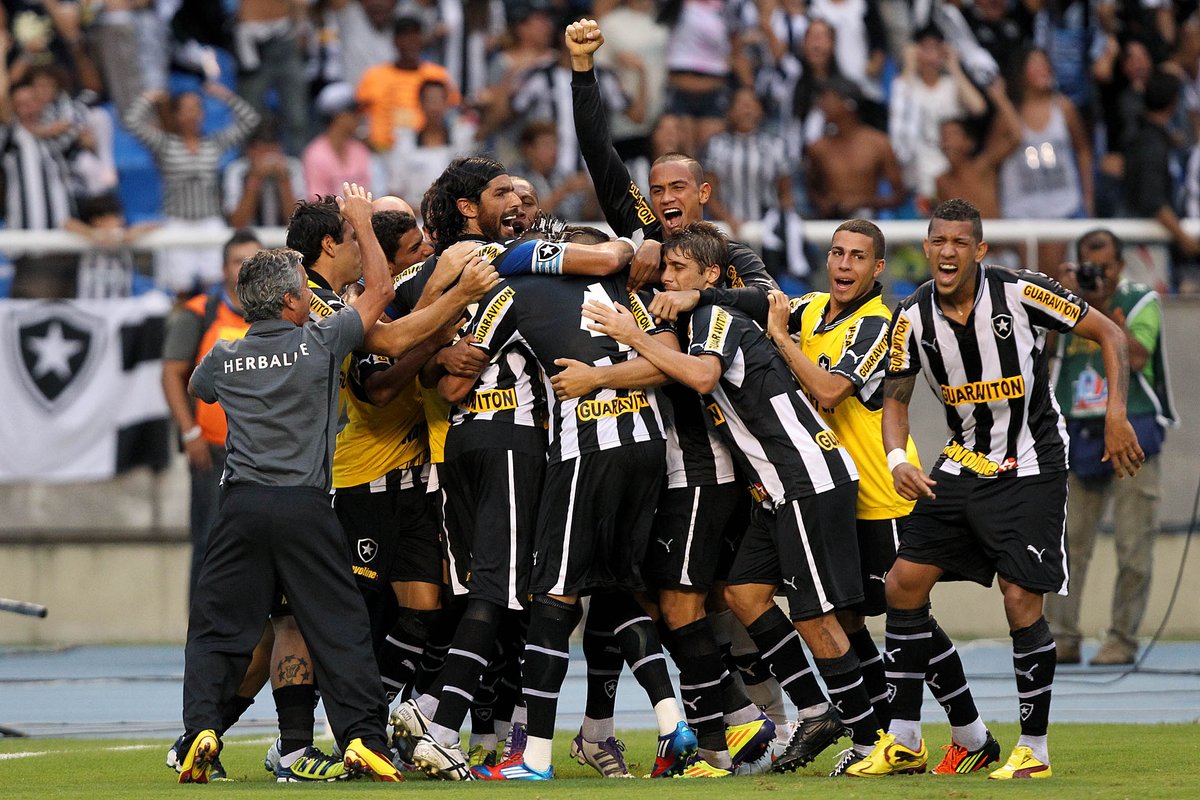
x: 543, y: 415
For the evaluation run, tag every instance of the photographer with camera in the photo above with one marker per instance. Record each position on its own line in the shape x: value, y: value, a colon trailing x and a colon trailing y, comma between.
x: 1082, y: 392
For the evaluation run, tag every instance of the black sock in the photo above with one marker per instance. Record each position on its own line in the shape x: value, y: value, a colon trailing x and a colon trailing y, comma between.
x: 483, y: 708
x: 1034, y: 658
x: 870, y: 662
x: 294, y: 705
x: 508, y: 687
x: 779, y: 647
x: 441, y: 635
x: 604, y: 661
x: 468, y: 656
x: 906, y: 659
x: 401, y: 649
x: 848, y: 694
x: 947, y: 682
x: 232, y: 711
x: 638, y: 638
x: 546, y: 658
x: 694, y: 649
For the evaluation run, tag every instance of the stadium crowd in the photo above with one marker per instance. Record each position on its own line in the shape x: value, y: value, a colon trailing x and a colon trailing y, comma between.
x: 799, y: 109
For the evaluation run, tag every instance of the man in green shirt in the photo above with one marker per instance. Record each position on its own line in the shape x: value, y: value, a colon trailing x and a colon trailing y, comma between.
x: 1081, y: 391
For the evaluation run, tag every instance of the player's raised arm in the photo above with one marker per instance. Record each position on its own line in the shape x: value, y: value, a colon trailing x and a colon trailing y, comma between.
x: 624, y: 208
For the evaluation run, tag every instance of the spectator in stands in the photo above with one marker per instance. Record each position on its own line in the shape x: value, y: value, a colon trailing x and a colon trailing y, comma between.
x: 861, y: 50
x: 188, y: 161
x: 1081, y: 392
x: 47, y: 32
x: 1149, y: 187
x: 36, y: 176
x: 269, y: 46
x: 109, y: 267
x: 634, y: 49
x: 336, y: 155
x: 747, y: 168
x: 563, y: 194
x: 262, y: 186
x: 1185, y: 65
x: 529, y: 47
x: 848, y: 165
x: 1050, y: 174
x: 366, y: 35
x: 1002, y: 28
x: 972, y: 171
x: 1150, y: 21
x: 192, y: 329
x: 704, y: 60
x: 751, y: 180
x: 444, y: 27
x: 783, y: 31
x: 1070, y: 37
x: 818, y: 65
x: 129, y: 43
x: 1120, y: 75
x: 930, y: 89
x: 421, y: 155
x: 390, y: 93
x: 544, y: 95
x: 84, y: 133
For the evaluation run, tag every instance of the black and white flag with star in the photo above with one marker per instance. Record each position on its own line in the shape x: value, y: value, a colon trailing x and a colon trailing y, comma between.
x: 81, y: 391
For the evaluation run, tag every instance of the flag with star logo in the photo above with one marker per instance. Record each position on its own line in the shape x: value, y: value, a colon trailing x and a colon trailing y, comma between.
x: 81, y: 391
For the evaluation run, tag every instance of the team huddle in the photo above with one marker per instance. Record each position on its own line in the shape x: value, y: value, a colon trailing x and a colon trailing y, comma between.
x: 521, y: 414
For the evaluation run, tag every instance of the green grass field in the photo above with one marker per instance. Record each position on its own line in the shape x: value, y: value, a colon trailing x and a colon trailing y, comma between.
x: 1090, y: 761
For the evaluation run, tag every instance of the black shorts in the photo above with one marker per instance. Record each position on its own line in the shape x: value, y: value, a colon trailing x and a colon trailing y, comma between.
x: 809, y: 548
x: 392, y: 536
x: 978, y: 528
x: 595, y: 518
x: 279, y: 604
x: 878, y: 540
x: 489, y: 504
x: 696, y: 531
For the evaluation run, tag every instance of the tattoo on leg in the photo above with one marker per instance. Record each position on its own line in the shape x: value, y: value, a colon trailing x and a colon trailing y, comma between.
x: 294, y: 671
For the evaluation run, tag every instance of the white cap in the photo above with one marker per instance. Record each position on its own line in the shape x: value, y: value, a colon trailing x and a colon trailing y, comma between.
x: 336, y: 98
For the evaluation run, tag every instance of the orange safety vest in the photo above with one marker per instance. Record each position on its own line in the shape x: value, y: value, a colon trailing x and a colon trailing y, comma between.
x: 225, y: 324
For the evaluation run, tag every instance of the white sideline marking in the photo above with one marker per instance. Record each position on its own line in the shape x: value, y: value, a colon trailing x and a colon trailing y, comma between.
x: 117, y: 748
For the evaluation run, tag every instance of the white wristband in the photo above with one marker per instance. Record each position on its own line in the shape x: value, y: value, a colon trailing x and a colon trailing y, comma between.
x: 628, y: 241
x: 896, y: 457
x: 192, y: 434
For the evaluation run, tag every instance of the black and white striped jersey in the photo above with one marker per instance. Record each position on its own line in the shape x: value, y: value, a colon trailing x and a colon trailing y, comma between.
x: 991, y: 374
x: 748, y: 168
x: 696, y: 454
x: 543, y: 313
x: 509, y: 391
x: 776, y: 436
x: 37, y: 190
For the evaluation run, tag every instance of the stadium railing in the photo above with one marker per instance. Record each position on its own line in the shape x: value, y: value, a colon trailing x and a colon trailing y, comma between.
x: 1028, y: 232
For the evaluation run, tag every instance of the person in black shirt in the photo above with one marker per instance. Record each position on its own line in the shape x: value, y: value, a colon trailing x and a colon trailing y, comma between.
x: 1149, y: 150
